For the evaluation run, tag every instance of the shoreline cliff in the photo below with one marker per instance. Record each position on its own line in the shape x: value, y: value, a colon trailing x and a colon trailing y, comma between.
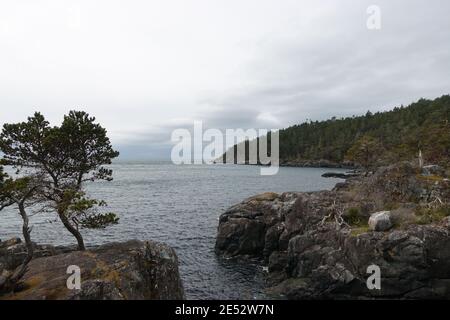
x: 319, y: 245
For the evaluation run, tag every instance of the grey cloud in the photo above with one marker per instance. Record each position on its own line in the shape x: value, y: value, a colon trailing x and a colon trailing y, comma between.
x: 352, y: 70
x: 316, y: 63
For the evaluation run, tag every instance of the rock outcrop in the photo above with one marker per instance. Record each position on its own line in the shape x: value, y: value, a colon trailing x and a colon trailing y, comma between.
x: 380, y: 221
x: 13, y: 253
x: 318, y: 244
x: 340, y: 175
x: 132, y: 270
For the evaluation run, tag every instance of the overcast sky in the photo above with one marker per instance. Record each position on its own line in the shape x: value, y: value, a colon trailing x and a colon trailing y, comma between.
x: 144, y: 68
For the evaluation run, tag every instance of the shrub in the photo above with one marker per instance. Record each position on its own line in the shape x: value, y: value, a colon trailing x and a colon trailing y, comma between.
x: 427, y: 216
x: 354, y: 218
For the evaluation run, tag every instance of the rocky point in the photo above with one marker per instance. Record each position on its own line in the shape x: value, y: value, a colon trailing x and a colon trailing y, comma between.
x: 132, y: 270
x: 320, y: 245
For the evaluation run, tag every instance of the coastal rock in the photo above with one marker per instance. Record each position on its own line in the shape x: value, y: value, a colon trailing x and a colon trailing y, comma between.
x: 9, y: 243
x: 338, y: 175
x: 241, y: 236
x: 252, y: 226
x: 313, y: 254
x: 96, y: 290
x: 13, y: 252
x: 130, y: 270
x: 380, y: 221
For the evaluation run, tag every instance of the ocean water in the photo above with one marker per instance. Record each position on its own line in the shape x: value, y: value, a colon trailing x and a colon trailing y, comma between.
x: 180, y: 205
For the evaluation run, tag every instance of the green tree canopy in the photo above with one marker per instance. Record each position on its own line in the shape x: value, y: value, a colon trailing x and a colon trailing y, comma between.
x: 402, y: 132
x: 366, y: 152
x: 66, y: 157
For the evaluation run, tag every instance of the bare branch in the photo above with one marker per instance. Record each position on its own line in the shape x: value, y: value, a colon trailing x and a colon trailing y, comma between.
x: 336, y: 214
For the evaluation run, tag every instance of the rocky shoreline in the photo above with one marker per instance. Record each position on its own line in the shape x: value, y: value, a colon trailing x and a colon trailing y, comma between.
x: 319, y: 245
x: 323, y: 163
x: 132, y: 270
x: 316, y: 245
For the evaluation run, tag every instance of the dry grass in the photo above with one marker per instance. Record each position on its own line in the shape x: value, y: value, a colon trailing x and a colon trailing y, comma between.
x: 359, y: 230
x: 430, y: 178
x: 431, y: 215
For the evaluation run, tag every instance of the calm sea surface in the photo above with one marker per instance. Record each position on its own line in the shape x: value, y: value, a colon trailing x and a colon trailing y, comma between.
x: 180, y: 205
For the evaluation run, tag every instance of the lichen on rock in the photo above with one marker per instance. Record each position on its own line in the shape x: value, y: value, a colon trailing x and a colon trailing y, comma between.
x: 132, y: 270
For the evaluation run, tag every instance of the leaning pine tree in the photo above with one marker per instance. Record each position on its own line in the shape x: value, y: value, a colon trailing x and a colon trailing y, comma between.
x: 65, y: 157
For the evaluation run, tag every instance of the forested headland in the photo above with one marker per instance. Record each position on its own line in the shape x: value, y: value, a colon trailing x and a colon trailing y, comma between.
x: 374, y: 138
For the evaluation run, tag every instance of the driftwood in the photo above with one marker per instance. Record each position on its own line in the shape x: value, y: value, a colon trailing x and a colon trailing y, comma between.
x: 435, y: 203
x: 335, y: 214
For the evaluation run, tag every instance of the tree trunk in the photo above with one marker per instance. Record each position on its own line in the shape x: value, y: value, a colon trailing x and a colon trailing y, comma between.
x: 73, y: 231
x: 12, y: 282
